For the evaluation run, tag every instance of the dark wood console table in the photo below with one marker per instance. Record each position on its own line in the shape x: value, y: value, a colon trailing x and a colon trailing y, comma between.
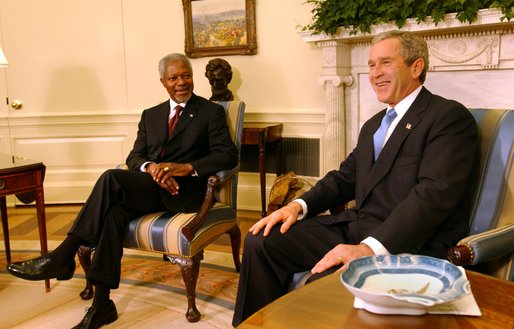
x: 262, y: 134
x: 24, y: 177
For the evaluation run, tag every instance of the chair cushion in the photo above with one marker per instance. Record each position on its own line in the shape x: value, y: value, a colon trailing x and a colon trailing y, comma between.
x: 162, y: 232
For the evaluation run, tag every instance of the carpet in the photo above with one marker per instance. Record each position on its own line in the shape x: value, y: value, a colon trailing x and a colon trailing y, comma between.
x: 151, y: 294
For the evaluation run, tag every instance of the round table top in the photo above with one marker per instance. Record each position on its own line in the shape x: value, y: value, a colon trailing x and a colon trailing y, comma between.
x: 326, y: 303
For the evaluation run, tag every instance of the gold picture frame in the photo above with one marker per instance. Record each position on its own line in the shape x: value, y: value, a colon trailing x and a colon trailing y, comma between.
x: 219, y: 27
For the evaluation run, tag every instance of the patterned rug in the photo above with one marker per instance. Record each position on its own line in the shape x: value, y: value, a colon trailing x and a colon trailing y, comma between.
x: 151, y: 294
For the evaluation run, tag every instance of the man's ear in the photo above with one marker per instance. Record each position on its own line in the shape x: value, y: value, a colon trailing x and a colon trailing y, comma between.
x: 417, y: 67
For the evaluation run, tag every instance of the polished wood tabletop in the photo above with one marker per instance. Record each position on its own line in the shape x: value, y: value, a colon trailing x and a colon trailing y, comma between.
x: 326, y: 303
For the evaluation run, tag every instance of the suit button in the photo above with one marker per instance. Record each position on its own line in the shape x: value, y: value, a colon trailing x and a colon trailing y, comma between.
x: 361, y: 215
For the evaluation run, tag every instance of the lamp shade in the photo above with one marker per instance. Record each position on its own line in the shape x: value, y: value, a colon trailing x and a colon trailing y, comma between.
x: 3, y: 59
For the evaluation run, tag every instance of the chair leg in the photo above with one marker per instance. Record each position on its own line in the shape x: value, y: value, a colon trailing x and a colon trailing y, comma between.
x: 235, y: 241
x: 190, y: 267
x: 84, y: 254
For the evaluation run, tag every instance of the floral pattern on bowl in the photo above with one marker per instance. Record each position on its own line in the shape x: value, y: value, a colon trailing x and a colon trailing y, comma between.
x: 403, y: 284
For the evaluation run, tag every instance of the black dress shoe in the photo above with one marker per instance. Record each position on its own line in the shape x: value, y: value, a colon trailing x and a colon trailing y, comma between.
x: 42, y: 268
x: 95, y: 318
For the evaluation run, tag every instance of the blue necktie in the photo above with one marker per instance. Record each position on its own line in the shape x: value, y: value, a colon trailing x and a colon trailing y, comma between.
x: 379, y: 136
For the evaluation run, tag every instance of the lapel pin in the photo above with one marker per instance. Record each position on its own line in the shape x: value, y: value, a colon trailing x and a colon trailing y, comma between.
x: 408, y: 126
x: 190, y: 115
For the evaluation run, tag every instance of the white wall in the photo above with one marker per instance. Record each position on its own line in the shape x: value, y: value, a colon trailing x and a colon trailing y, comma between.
x: 94, y: 63
x: 105, y: 53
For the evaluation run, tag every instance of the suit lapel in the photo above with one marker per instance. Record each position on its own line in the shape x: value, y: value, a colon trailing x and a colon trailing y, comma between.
x: 188, y: 114
x: 390, y: 151
x: 161, y: 120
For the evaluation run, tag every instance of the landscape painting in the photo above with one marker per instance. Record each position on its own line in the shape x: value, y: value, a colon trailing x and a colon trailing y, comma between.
x: 219, y: 27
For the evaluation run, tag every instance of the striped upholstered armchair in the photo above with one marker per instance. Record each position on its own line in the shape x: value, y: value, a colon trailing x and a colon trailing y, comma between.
x: 182, y: 237
x: 490, y: 246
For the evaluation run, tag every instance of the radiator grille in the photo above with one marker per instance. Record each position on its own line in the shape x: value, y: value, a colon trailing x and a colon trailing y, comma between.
x: 300, y: 155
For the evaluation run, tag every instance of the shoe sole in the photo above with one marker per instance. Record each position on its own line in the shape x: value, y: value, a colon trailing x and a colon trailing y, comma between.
x: 110, y: 320
x: 63, y: 277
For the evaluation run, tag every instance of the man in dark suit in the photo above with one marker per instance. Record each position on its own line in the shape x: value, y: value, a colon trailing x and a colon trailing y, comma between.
x: 168, y: 170
x: 410, y: 189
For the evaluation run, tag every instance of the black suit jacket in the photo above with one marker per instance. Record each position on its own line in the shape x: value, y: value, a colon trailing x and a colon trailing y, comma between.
x: 201, y: 137
x: 415, y: 197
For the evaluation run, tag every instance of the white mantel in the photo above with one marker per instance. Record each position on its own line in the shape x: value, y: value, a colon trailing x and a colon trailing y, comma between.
x: 473, y: 64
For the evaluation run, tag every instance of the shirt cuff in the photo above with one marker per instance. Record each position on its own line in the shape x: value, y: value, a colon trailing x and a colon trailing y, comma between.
x: 143, y: 166
x: 304, y: 209
x: 376, y: 246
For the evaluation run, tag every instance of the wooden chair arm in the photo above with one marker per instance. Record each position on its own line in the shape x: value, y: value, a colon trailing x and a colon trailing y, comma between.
x: 213, y: 181
x: 461, y: 255
x: 190, y: 229
x: 483, y: 247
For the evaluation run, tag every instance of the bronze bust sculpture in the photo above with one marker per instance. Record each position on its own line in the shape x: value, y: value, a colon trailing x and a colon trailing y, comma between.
x: 219, y: 73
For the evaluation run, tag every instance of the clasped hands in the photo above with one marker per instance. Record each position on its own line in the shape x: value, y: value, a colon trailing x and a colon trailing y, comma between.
x: 341, y: 254
x: 163, y: 174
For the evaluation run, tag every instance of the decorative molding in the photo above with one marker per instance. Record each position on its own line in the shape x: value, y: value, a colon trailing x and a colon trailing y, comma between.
x: 457, y: 53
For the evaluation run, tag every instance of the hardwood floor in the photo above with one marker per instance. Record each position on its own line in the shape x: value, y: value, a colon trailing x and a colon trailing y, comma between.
x: 59, y: 218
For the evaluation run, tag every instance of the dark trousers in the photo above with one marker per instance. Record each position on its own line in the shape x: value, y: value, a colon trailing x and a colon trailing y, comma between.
x: 269, y: 262
x: 117, y: 197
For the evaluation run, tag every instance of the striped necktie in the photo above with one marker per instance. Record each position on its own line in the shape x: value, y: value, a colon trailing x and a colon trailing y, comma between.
x: 172, y: 122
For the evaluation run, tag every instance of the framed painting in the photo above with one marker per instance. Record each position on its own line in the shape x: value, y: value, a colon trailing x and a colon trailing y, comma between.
x: 219, y: 27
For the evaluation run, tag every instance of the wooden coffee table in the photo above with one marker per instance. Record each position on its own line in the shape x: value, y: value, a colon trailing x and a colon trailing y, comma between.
x: 326, y: 303
x: 23, y: 177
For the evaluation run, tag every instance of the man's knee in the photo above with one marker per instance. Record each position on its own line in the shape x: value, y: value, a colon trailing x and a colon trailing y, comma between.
x: 253, y: 243
x: 259, y: 244
x: 106, y: 176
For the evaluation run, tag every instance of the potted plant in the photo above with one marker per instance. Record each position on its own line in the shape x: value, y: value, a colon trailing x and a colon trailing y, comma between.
x: 360, y: 15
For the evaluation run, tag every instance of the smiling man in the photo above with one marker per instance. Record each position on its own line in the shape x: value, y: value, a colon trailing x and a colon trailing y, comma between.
x: 408, y: 176
x: 180, y: 142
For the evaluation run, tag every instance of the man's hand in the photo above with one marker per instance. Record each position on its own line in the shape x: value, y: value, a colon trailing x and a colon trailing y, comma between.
x: 162, y: 174
x: 169, y: 168
x: 342, y: 254
x: 288, y: 215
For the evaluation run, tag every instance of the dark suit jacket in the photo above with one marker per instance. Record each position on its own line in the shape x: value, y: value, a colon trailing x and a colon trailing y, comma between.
x: 201, y: 137
x: 414, y: 197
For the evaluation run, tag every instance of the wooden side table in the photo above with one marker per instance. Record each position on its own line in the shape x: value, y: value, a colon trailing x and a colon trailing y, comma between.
x: 262, y: 134
x: 23, y: 176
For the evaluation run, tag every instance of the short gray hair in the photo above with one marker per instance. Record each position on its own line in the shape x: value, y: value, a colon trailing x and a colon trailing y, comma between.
x: 171, y: 58
x: 413, y: 47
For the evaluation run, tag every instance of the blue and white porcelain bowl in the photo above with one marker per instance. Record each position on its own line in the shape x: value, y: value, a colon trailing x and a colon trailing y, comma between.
x: 403, y: 284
